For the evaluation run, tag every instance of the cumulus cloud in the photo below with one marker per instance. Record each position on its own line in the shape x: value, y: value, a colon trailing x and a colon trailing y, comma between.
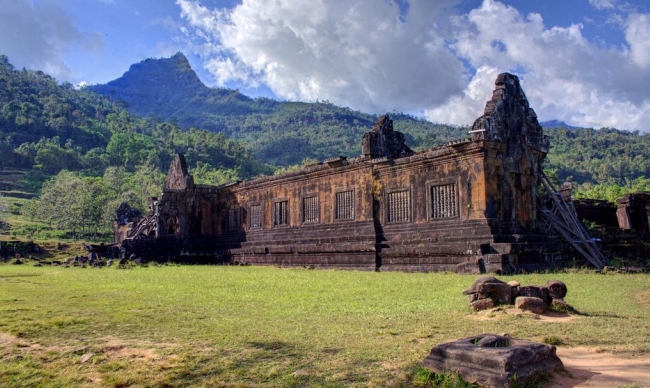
x: 367, y: 55
x: 637, y: 35
x: 564, y: 75
x: 423, y: 56
x: 36, y: 36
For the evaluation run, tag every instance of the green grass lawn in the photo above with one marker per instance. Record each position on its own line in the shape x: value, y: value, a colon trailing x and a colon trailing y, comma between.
x: 177, y: 326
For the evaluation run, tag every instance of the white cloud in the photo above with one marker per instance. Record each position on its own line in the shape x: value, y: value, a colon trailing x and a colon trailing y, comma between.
x: 637, y: 35
x: 463, y: 108
x: 564, y: 75
x: 37, y: 36
x: 602, y: 4
x: 375, y: 57
x: 356, y: 54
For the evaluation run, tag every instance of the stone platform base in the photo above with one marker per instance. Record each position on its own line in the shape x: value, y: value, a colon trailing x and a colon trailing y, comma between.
x: 493, y: 360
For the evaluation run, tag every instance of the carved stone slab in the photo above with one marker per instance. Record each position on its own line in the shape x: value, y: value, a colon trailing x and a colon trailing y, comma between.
x: 492, y: 360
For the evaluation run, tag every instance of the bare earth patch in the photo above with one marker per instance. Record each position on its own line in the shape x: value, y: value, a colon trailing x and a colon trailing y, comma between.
x: 495, y: 313
x: 588, y: 368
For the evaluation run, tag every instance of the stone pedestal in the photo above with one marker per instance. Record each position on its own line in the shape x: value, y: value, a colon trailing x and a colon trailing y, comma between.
x: 493, y: 360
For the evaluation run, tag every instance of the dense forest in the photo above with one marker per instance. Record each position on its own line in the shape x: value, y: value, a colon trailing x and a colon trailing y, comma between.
x: 82, y: 153
x: 51, y: 127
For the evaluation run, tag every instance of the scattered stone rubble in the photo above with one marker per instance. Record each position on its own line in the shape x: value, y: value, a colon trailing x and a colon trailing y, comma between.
x: 487, y: 292
x: 96, y: 261
x: 493, y: 360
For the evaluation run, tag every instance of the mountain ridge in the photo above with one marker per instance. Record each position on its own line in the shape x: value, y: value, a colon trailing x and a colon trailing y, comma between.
x: 557, y: 124
x: 279, y: 132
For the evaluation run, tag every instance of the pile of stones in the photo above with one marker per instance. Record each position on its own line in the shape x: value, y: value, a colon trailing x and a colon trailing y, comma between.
x: 487, y: 292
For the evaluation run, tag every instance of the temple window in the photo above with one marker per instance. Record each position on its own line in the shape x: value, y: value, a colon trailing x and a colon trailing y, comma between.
x: 399, y: 206
x: 444, y: 201
x: 344, y: 205
x: 310, y: 211
x: 233, y: 218
x: 281, y: 213
x: 255, y: 216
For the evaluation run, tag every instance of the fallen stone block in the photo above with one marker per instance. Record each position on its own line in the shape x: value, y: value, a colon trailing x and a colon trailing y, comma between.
x: 500, y: 292
x: 480, y: 280
x: 529, y: 303
x: 533, y: 291
x: 492, y: 360
x: 556, y: 289
x: 560, y: 304
x: 482, y: 304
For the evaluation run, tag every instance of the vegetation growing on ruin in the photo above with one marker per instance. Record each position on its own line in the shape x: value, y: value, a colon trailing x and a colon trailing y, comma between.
x: 258, y: 326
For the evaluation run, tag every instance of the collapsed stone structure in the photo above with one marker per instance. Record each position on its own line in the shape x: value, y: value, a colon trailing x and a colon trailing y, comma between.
x: 468, y: 206
x: 623, y: 228
x: 487, y: 292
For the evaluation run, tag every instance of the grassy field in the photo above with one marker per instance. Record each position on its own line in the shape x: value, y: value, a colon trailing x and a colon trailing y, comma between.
x: 177, y: 326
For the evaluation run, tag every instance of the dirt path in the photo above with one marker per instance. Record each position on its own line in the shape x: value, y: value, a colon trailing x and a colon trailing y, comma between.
x: 588, y: 368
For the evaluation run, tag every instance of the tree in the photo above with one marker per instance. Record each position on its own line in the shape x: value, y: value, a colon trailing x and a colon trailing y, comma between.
x: 145, y: 182
x: 4, y: 209
x: 73, y: 203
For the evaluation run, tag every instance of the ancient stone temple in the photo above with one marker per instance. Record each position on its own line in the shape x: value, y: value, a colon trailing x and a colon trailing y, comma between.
x: 468, y: 206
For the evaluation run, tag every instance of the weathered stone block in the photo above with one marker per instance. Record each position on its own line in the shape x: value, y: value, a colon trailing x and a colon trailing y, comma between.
x: 480, y: 280
x: 556, y: 289
x: 482, y: 304
x: 560, y: 304
x: 534, y: 291
x: 493, y: 360
x: 500, y: 292
x: 529, y: 303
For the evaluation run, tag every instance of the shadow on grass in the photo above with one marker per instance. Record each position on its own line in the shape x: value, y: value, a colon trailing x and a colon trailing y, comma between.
x: 260, y: 363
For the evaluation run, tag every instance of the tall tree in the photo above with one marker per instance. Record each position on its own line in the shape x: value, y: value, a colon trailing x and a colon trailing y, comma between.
x: 4, y: 209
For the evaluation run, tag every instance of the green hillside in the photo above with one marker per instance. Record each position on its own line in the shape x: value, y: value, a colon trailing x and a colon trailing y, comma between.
x: 91, y: 154
x: 279, y: 133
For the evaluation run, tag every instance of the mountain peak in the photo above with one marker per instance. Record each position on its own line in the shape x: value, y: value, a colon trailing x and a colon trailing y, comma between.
x: 147, y: 85
x: 175, y: 69
x: 167, y: 87
x: 556, y: 124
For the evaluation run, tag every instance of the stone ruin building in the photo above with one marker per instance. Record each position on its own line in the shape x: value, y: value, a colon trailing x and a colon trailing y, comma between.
x: 471, y: 205
x: 623, y: 228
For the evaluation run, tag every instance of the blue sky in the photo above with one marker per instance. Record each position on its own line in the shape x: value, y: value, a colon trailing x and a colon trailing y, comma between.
x: 586, y: 62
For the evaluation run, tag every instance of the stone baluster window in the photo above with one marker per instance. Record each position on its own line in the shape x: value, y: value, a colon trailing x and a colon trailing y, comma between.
x: 399, y: 206
x: 344, y: 206
x: 281, y: 213
x: 444, y: 201
x: 310, y: 211
x: 256, y: 216
x: 233, y: 218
